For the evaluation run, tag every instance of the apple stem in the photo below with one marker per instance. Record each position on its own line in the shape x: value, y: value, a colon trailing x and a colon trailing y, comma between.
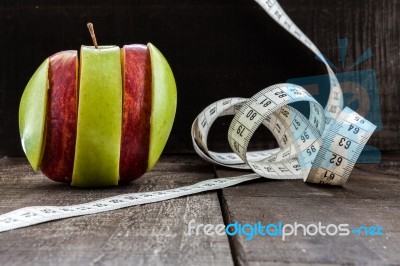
x: 91, y: 31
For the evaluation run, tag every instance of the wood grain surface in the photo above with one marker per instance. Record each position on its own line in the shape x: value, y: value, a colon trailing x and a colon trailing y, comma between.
x: 370, y: 198
x: 157, y: 234
x: 153, y: 234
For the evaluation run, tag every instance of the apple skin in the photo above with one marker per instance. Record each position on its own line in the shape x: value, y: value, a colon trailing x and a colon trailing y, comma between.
x: 32, y: 115
x: 107, y: 118
x: 164, y: 101
x: 61, y: 119
x: 136, y: 112
x: 98, y: 137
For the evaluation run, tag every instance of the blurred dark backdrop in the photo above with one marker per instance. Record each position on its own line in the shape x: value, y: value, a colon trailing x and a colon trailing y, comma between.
x: 216, y: 48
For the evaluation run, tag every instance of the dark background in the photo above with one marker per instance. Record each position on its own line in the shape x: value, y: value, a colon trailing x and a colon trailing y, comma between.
x: 216, y: 48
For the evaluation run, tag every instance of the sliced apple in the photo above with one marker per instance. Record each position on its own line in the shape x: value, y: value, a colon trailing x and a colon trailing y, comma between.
x: 136, y: 73
x: 148, y: 110
x: 59, y: 150
x: 163, y: 104
x: 109, y: 129
x: 98, y: 139
x: 32, y: 115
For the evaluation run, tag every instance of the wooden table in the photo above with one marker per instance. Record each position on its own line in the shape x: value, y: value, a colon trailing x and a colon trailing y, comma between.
x: 157, y: 234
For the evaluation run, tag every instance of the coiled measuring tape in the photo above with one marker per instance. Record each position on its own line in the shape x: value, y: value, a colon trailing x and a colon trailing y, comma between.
x: 322, y: 148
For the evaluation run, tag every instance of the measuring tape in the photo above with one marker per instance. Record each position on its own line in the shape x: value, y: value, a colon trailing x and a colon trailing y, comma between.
x: 321, y: 148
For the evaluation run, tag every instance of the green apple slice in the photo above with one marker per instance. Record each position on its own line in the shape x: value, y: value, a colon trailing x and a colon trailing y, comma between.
x: 163, y: 104
x: 99, y: 118
x: 32, y: 115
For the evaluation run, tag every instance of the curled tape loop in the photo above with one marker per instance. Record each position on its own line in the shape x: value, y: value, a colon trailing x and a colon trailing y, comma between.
x: 322, y: 148
x: 306, y: 150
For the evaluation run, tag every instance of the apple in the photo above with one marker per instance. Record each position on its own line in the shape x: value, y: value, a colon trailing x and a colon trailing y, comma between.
x: 102, y: 120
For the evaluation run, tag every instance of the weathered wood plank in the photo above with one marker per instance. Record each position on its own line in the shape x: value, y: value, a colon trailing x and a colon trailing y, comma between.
x: 371, y: 197
x: 151, y: 234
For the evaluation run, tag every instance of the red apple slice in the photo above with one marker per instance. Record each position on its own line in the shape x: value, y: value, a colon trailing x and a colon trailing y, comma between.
x: 61, y: 120
x: 137, y: 76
